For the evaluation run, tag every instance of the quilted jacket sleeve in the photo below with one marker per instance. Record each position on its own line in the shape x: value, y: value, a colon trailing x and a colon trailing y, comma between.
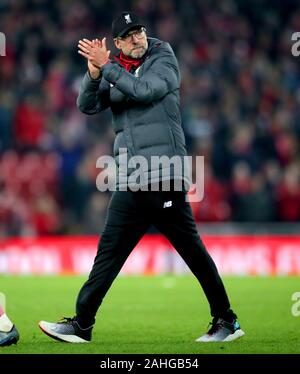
x: 93, y: 96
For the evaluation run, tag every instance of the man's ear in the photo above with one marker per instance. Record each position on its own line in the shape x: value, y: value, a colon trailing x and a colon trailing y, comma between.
x: 117, y: 43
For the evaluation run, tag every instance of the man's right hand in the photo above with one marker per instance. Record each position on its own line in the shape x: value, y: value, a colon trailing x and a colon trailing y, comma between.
x: 93, y: 69
x: 96, y: 54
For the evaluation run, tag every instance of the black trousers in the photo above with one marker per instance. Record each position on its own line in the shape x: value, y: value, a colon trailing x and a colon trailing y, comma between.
x: 129, y: 216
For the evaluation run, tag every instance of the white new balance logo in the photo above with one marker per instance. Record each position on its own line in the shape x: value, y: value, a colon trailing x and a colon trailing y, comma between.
x: 168, y: 204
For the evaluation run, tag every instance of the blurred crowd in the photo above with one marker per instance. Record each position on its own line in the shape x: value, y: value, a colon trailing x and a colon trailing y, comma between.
x: 240, y: 103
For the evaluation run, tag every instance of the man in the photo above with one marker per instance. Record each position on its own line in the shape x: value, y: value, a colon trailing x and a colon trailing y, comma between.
x: 141, y: 87
x: 8, y: 332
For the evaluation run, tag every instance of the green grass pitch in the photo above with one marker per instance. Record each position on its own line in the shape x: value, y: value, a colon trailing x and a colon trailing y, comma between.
x: 162, y: 314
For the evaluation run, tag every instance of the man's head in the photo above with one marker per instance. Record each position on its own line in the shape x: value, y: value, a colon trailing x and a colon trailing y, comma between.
x: 129, y: 35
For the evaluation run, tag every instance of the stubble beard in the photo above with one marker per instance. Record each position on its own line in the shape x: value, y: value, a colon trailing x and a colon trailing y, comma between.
x: 139, y: 53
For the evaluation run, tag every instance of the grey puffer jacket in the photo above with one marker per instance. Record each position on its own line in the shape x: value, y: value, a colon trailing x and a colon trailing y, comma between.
x: 145, y: 107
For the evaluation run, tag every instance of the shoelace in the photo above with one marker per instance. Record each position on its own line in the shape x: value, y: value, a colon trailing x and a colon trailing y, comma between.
x: 71, y: 320
x: 66, y: 320
x: 215, y: 326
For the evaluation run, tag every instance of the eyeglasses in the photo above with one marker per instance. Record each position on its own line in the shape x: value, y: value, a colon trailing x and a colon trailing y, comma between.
x: 139, y: 34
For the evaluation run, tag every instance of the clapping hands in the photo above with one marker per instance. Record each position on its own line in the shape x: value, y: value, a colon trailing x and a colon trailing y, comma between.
x: 96, y: 53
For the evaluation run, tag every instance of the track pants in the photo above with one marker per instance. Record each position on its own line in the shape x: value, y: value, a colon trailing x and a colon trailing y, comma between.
x: 129, y: 216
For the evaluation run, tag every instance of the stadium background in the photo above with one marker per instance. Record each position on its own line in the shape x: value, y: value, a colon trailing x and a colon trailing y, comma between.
x: 240, y: 99
x: 240, y: 110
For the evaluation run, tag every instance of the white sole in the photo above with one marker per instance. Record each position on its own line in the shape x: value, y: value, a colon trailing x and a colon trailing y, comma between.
x: 45, y: 327
x: 237, y: 334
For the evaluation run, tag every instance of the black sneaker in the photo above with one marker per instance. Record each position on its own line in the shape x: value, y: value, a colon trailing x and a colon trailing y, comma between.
x: 222, y: 331
x: 10, y: 337
x: 67, y: 330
